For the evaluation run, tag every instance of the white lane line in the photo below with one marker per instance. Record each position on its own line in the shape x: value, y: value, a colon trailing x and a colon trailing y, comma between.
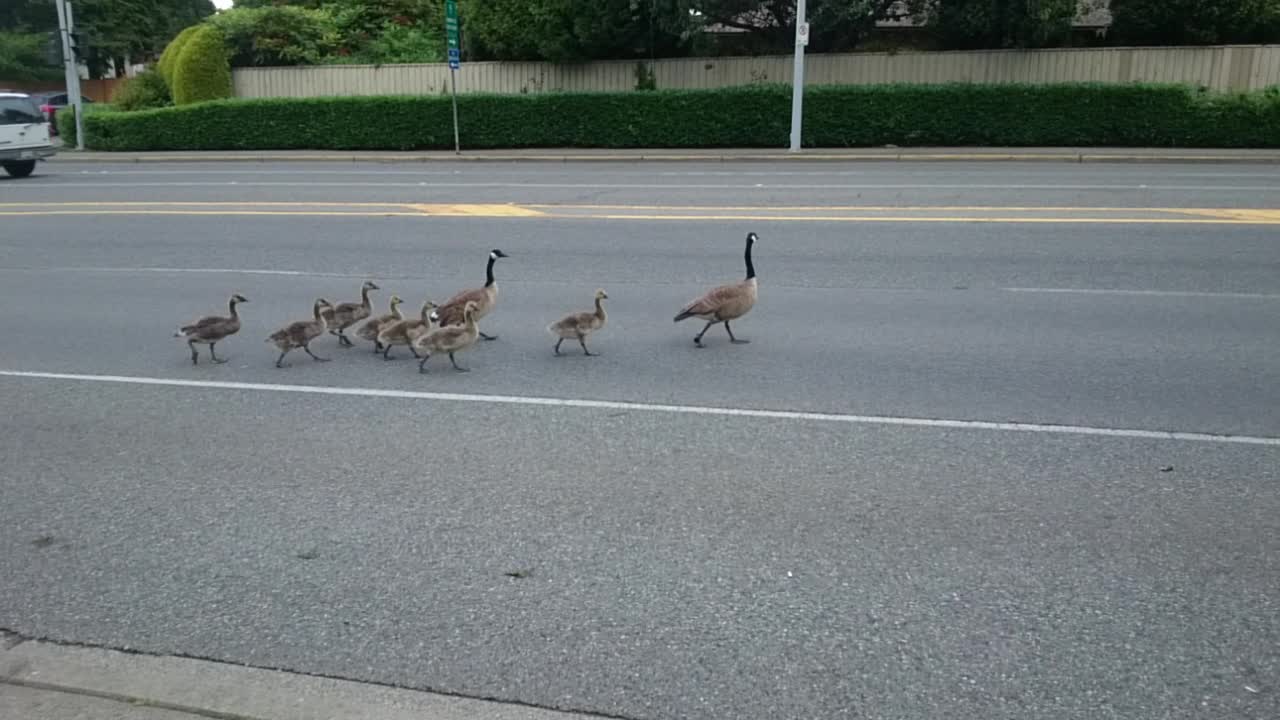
x: 218, y: 271
x: 308, y: 273
x: 651, y: 407
x: 372, y: 170
x: 650, y: 186
x: 1151, y: 293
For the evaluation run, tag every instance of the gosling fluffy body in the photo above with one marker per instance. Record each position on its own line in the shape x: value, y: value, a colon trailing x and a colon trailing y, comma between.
x: 450, y: 339
x: 369, y: 331
x: 404, y: 332
x: 347, y: 314
x: 577, y: 326
x: 300, y: 334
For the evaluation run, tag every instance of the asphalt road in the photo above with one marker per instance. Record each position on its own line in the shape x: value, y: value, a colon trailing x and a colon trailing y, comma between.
x: 642, y: 562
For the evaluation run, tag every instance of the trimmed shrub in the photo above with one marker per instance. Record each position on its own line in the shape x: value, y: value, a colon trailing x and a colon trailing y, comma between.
x: 169, y: 57
x: 202, y: 72
x: 65, y: 121
x: 146, y: 90
x: 752, y: 116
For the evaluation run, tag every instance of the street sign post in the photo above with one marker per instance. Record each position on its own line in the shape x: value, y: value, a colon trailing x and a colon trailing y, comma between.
x: 455, y: 62
x: 797, y: 76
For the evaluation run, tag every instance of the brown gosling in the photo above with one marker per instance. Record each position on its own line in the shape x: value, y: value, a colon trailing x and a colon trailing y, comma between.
x: 300, y: 334
x: 210, y: 329
x: 330, y: 324
x: 485, y: 298
x: 725, y: 303
x: 404, y: 332
x: 581, y: 324
x: 369, y: 331
x: 347, y: 314
x: 451, y: 339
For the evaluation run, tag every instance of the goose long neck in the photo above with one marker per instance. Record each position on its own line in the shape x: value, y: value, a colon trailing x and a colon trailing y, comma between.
x: 315, y: 310
x: 751, y: 269
x: 232, y: 306
x: 600, y: 308
x: 364, y: 296
x: 488, y: 272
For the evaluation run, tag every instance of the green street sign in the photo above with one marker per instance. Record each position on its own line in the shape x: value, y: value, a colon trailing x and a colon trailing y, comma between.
x: 451, y: 22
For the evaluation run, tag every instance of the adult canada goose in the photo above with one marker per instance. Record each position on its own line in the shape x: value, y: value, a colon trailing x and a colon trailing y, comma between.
x: 450, y: 313
x: 210, y: 329
x: 581, y: 324
x: 404, y: 332
x: 369, y: 331
x: 300, y: 334
x: 347, y: 314
x: 725, y: 303
x: 451, y: 339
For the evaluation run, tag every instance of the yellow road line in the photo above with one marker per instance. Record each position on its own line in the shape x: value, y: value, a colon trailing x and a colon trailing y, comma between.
x: 895, y: 208
x: 223, y: 213
x: 1237, y: 213
x: 851, y: 213
x: 752, y: 218
x: 196, y: 203
x: 494, y: 210
x: 928, y: 219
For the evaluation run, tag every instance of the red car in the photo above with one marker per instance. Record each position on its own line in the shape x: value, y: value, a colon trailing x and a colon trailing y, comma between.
x: 51, y: 102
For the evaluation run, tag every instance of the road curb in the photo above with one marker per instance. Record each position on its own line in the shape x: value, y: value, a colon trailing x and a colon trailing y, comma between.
x: 815, y: 157
x: 224, y: 691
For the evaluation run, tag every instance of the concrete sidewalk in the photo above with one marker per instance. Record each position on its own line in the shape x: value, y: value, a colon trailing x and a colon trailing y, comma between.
x: 890, y: 154
x: 47, y: 681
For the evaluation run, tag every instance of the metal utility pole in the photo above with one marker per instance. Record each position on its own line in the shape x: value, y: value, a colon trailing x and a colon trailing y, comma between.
x: 70, y: 68
x: 797, y: 77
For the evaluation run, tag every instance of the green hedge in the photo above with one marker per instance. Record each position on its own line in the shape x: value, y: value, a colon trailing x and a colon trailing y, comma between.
x: 835, y: 116
x: 65, y: 121
x: 202, y: 72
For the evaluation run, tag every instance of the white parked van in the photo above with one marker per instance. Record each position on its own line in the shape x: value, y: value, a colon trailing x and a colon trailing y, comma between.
x: 24, y: 135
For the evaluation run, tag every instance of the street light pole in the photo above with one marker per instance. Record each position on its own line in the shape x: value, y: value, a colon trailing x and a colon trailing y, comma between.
x: 70, y: 67
x: 797, y: 78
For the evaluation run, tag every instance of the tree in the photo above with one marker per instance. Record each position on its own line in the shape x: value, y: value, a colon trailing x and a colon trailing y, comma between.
x: 1194, y: 22
x: 573, y: 30
x: 977, y: 24
x: 113, y: 29
x: 277, y: 35
x: 835, y: 25
x: 22, y: 57
x: 28, y: 16
x: 372, y: 31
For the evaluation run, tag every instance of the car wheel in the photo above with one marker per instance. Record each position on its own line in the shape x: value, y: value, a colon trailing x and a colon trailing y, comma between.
x: 20, y: 168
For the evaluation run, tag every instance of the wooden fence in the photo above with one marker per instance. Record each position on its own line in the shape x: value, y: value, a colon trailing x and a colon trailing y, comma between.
x: 96, y: 90
x: 1228, y: 67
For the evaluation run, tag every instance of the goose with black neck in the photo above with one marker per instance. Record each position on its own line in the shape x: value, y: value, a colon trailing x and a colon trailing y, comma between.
x: 725, y: 303
x: 485, y: 298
